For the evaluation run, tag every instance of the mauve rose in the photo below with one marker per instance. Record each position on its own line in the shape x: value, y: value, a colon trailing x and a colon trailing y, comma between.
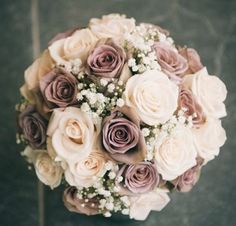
x: 122, y: 138
x: 33, y: 126
x: 59, y: 89
x: 74, y: 204
x: 171, y: 62
x: 106, y: 60
x: 186, y: 181
x: 139, y: 178
x: 194, y: 61
x: 188, y: 101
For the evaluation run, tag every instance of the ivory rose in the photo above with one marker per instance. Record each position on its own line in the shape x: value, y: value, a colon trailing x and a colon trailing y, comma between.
x: 47, y: 170
x: 147, y: 94
x: 142, y: 205
x: 72, y: 132
x: 209, y: 138
x: 84, y: 171
x: 76, y: 46
x: 111, y: 26
x: 209, y: 90
x: 176, y: 154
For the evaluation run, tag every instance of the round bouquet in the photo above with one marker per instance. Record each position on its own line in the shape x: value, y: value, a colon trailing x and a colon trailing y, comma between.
x: 119, y: 115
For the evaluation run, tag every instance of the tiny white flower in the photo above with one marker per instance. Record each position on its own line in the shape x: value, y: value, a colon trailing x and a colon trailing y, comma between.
x: 85, y: 107
x: 120, y: 102
x: 109, y: 206
x: 112, y: 175
x: 146, y: 132
x: 103, y: 82
x: 107, y: 214
x: 125, y: 211
x: 111, y: 88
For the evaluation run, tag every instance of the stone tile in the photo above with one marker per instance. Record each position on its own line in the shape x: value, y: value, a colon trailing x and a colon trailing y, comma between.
x: 18, y: 185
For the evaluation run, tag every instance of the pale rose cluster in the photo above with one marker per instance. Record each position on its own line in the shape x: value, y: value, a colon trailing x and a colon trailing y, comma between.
x: 121, y: 116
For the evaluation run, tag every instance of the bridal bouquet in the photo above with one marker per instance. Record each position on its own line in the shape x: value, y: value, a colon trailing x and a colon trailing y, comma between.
x: 119, y: 115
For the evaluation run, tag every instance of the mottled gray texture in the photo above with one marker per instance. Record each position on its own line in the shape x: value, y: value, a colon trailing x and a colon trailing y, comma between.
x: 206, y: 25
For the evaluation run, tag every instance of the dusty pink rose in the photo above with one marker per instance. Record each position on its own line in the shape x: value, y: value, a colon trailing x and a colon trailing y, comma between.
x: 171, y: 62
x: 74, y: 204
x: 194, y: 61
x: 122, y: 137
x: 188, y: 101
x: 186, y: 181
x: 139, y: 178
x: 59, y: 89
x: 33, y: 126
x: 106, y: 60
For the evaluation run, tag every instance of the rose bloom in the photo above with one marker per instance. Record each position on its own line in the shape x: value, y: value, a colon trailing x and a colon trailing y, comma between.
x: 194, y: 61
x: 142, y: 205
x: 111, y: 26
x: 59, y: 89
x: 106, y: 60
x: 62, y: 35
x: 47, y: 170
x: 122, y: 137
x: 72, y: 132
x: 74, y: 204
x: 146, y: 94
x: 188, y: 179
x: 209, y: 90
x: 176, y: 154
x: 139, y: 178
x: 188, y: 101
x: 83, y: 172
x: 33, y: 126
x: 76, y: 46
x: 209, y: 138
x: 171, y: 62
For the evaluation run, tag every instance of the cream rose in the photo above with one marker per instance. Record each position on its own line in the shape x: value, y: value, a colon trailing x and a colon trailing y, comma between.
x: 85, y: 171
x: 72, y: 133
x: 47, y: 170
x: 34, y: 73
x: 209, y: 137
x: 76, y: 46
x: 209, y: 91
x: 142, y: 205
x: 112, y: 26
x: 152, y: 95
x: 176, y: 154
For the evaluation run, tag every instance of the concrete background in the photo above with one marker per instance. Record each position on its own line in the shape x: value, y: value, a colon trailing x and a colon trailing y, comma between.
x: 27, y: 25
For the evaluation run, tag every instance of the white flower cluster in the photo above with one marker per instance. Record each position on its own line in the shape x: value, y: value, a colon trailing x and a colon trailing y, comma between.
x: 154, y: 135
x: 140, y: 43
x: 106, y: 191
x: 99, y: 99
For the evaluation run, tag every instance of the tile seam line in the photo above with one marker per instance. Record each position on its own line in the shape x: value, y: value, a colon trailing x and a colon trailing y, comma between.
x: 35, y: 34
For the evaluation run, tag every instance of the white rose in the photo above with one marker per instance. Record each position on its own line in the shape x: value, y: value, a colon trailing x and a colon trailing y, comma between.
x: 112, y: 26
x: 176, y: 154
x: 209, y: 138
x: 47, y: 170
x: 142, y: 205
x: 84, y: 172
x: 77, y: 46
x: 72, y: 133
x: 152, y: 95
x: 209, y: 90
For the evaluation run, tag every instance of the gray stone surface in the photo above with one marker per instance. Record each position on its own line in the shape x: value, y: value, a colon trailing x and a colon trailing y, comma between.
x: 207, y: 25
